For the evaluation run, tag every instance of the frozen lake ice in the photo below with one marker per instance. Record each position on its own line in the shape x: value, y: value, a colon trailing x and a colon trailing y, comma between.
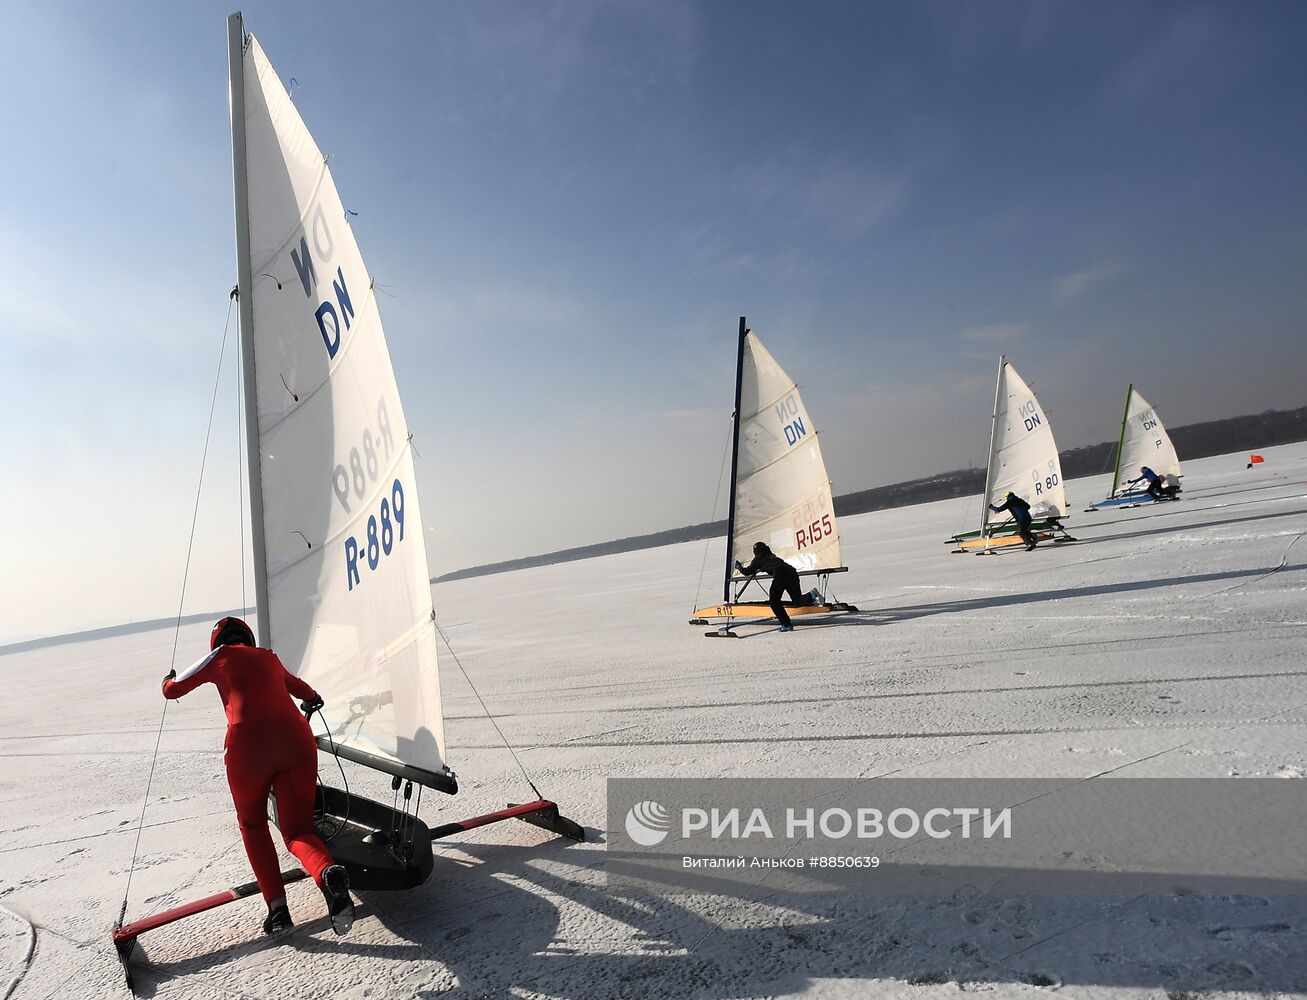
x: 1169, y: 641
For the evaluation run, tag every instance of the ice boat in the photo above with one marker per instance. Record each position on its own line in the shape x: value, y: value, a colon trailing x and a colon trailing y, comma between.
x: 1143, y: 442
x: 1023, y: 459
x: 780, y: 493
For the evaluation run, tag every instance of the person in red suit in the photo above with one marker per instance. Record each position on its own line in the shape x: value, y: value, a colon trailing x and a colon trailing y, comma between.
x: 270, y: 748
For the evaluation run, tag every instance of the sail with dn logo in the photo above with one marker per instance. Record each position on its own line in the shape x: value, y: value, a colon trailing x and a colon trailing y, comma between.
x: 340, y: 566
x: 1144, y: 443
x: 780, y: 492
x: 1023, y: 460
x: 1023, y: 455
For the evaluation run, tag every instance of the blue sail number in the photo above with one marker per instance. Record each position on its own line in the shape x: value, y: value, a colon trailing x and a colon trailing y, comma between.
x: 384, y: 530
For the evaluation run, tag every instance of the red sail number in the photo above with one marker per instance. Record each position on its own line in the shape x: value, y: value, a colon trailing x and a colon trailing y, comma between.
x: 812, y: 533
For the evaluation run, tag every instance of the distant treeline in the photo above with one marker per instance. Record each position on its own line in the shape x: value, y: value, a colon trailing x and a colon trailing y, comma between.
x: 1215, y: 437
x: 109, y: 631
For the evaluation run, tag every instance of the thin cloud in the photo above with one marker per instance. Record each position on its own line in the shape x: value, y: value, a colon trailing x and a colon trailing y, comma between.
x: 1161, y: 65
x: 35, y: 317
x: 853, y: 197
x: 1071, y: 286
x: 559, y: 53
x: 688, y: 419
x: 836, y: 196
x: 995, y: 333
x: 706, y: 245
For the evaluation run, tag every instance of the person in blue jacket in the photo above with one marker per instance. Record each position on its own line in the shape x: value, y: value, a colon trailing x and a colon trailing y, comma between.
x: 1020, y: 511
x: 1157, y: 488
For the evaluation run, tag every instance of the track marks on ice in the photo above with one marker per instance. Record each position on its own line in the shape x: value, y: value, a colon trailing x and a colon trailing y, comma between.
x: 939, y: 734
x: 841, y: 697
x: 1284, y: 559
x: 25, y: 962
x: 122, y: 827
x: 740, y: 677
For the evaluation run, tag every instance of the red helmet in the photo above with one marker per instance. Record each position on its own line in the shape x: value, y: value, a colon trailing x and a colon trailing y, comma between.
x: 230, y: 631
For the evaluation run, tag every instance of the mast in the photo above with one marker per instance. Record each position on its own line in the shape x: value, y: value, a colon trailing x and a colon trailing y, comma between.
x: 244, y: 285
x: 1120, y: 442
x: 735, y: 462
x: 993, y: 435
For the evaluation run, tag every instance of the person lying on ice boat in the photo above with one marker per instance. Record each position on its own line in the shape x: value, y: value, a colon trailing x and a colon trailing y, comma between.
x: 1020, y: 511
x: 1157, y: 487
x: 785, y: 579
x: 270, y: 747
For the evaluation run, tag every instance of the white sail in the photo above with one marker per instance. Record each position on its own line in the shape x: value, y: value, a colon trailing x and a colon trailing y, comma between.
x: 1023, y: 457
x: 782, y: 492
x: 1144, y: 442
x: 349, y: 602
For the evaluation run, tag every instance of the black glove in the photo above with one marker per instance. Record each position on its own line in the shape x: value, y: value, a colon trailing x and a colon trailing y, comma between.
x: 310, y: 705
x: 171, y: 675
x: 739, y: 566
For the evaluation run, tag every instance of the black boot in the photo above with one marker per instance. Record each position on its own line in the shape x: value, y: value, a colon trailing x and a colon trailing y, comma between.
x: 277, y: 920
x: 335, y: 890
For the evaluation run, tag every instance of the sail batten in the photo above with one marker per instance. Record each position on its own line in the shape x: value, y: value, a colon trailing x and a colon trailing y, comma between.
x: 273, y: 257
x: 779, y: 397
x: 293, y: 233
x: 306, y: 395
x: 784, y: 512
x: 774, y: 461
x: 343, y: 560
x: 319, y: 548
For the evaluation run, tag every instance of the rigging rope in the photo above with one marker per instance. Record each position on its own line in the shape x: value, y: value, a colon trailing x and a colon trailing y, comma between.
x: 504, y: 739
x: 716, y: 498
x: 320, y: 825
x: 181, y: 604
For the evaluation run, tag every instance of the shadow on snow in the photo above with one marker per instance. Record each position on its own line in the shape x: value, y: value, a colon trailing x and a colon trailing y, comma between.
x: 508, y: 920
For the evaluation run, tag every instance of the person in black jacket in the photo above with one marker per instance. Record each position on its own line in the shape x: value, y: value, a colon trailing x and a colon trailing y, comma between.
x: 785, y: 579
x: 1020, y: 511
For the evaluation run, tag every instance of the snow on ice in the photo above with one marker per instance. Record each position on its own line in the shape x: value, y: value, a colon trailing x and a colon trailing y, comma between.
x: 1169, y: 641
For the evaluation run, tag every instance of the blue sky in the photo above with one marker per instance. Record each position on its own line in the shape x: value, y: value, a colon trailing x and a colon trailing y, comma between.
x: 567, y: 208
